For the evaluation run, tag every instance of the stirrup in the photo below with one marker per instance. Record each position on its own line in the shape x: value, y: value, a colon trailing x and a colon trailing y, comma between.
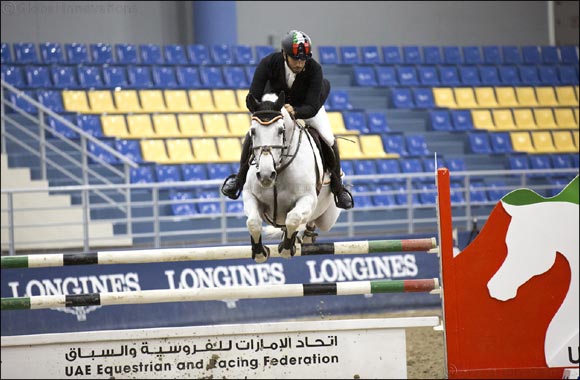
x: 230, y: 192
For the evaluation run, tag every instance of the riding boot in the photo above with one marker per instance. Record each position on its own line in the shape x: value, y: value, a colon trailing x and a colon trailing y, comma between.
x: 342, y: 196
x: 233, y: 185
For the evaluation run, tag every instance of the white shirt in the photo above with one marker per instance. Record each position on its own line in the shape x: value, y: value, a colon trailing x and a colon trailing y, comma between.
x: 290, y: 76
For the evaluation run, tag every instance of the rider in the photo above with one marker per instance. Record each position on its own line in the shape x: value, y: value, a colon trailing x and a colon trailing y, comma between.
x: 294, y: 71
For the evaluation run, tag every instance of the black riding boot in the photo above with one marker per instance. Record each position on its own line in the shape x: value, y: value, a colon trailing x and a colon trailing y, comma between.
x: 233, y: 185
x: 342, y: 196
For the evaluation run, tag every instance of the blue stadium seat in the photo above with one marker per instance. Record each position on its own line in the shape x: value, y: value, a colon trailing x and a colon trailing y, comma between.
x: 472, y: 55
x: 449, y: 76
x: 208, y: 207
x: 25, y: 52
x: 262, y: 51
x: 51, y: 99
x: 51, y: 52
x: 377, y: 122
x: 412, y: 55
x: 411, y: 165
x: 440, y: 120
x: 22, y: 103
x: 383, y: 196
x: 126, y: 54
x: 92, y: 125
x: 355, y: 121
x: 339, y: 100
x: 58, y: 128
x: 568, y: 54
x: 500, y: 142
x: 211, y: 77
x: 509, y: 75
x: 395, y: 143
x: 347, y: 167
x: 417, y: 145
x: 370, y: 55
x: 364, y: 167
x: 115, y: 76
x: 167, y: 173
x: 477, y: 193
x: 361, y: 197
x: 6, y: 53
x: 178, y: 206
x: 221, y: 54
x: 188, y: 77
x: 548, y: 75
x: 130, y: 149
x: 37, y: 76
x: 164, y: 77
x: 193, y: 172
x: 452, y: 55
x: 489, y: 76
x: 150, y: 54
x: 491, y: 55
x: 407, y: 76
x: 550, y: 55
x: 531, y: 55
x: 540, y: 162
x: 142, y: 174
x: 568, y: 75
x: 328, y: 55
x: 387, y: 166
x: 250, y: 70
x: 243, y: 55
x: 428, y: 75
x: 427, y: 193
x: 64, y: 77
x: 429, y: 164
x: 76, y: 53
x: 529, y: 75
x: 101, y: 53
x: 105, y: 155
x: 423, y: 97
x: 198, y: 54
x: 235, y: 207
x: 511, y: 55
x: 496, y: 190
x: 562, y: 161
x: 90, y: 77
x: 392, y: 55
x: 139, y: 77
x: 402, y: 98
x: 13, y: 75
x: 456, y: 193
x: 479, y: 142
x: 365, y: 76
x: 469, y: 75
x: 432, y: 55
x: 349, y: 55
x: 386, y: 76
x: 219, y: 171
x: 402, y: 195
x: 235, y: 77
x: 455, y: 164
x: 518, y: 162
x: 175, y: 55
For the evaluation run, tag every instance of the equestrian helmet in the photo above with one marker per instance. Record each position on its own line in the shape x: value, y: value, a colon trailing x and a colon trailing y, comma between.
x: 297, y: 45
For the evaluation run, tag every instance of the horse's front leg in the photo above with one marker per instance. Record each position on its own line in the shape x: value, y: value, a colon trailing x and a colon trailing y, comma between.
x: 260, y: 252
x: 300, y: 214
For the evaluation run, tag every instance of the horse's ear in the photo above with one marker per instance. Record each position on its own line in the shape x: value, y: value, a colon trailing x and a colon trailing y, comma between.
x: 281, y: 100
x: 252, y: 103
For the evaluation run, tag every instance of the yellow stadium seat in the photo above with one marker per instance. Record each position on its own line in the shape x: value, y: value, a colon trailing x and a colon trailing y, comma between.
x: 543, y: 142
x: 503, y: 119
x: 565, y: 118
x: 526, y: 97
x: 522, y: 142
x: 566, y: 96
x: 576, y: 136
x: 564, y: 141
x: 337, y: 124
x: 464, y: 97
x: 127, y: 101
x: 577, y: 91
x: 179, y: 151
x: 545, y: 118
x: 201, y: 101
x: 215, y: 124
x: 75, y: 101
x: 140, y: 126
x: 153, y: 150
x: 238, y: 123
x: 444, y: 98
x: 524, y: 119
x: 176, y: 101
x: 485, y: 97
x: 241, y: 94
x: 506, y: 97
x: 165, y: 125
x: 546, y: 96
x: 229, y: 149
x: 225, y: 101
x: 114, y: 126
x: 152, y: 101
x: 205, y: 150
x: 350, y: 149
x: 101, y: 101
x: 372, y: 147
x: 482, y: 119
x: 190, y: 125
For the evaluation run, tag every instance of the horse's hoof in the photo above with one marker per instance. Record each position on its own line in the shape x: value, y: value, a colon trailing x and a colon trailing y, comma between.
x: 286, y: 252
x: 262, y: 256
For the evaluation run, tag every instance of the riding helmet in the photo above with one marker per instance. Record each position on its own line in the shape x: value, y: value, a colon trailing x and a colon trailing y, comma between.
x: 297, y: 45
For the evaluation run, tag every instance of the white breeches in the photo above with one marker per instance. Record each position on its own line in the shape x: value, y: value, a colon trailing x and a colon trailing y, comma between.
x: 322, y: 124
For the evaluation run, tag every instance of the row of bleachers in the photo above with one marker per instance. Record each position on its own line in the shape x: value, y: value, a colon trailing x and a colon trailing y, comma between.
x: 145, y: 54
x: 464, y: 75
x: 533, y: 142
x: 503, y: 119
x: 130, y: 76
x: 449, y: 55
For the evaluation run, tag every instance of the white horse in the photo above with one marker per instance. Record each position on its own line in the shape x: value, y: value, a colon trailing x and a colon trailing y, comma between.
x: 286, y: 185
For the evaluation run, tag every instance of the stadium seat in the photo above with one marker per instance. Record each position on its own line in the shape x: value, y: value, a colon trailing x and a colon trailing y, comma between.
x: 531, y: 55
x: 568, y: 54
x: 509, y: 75
x: 262, y: 51
x: 522, y: 142
x: 165, y: 125
x: 564, y: 141
x: 489, y: 76
x: 423, y: 98
x: 444, y: 98
x: 511, y: 55
x: 544, y: 118
x: 211, y: 206
x: 114, y: 126
x: 546, y: 97
x: 506, y: 97
x: 526, y: 96
x: 140, y: 126
x: 238, y: 123
x: 91, y: 124
x: 477, y: 193
x: 455, y: 164
x: 524, y: 119
x: 452, y: 55
x: 37, y: 76
x: 215, y: 124
x: 540, y: 162
x: 429, y: 164
x: 179, y: 151
x: 395, y: 143
x: 229, y: 149
x: 411, y: 165
x: 205, y: 150
x: 127, y: 101
x: 465, y: 97
x: 76, y: 53
x: 339, y: 100
x: 175, y: 55
x: 561, y: 161
x: 13, y: 75
x: 90, y: 77
x: 167, y: 173
x: 101, y: 53
x: 130, y: 149
x: 58, y: 128
x: 383, y: 196
x: 115, y: 77
x: 469, y: 75
x: 349, y: 55
x: 479, y: 142
x: 427, y: 193
x: 500, y: 142
x: 407, y: 76
x: 221, y: 54
x: 51, y: 53
x: 548, y: 75
x: 101, y: 101
x: 139, y: 77
x: 328, y: 55
x: 25, y: 53
x: 417, y: 146
x: 177, y: 101
x: 337, y: 124
x: 377, y: 122
x: 243, y: 55
x: 568, y: 75
x: 440, y: 120
x: 198, y: 54
x: 211, y: 77
x: 164, y: 77
x: 482, y: 119
x: 52, y: 99
x: 193, y: 172
x: 462, y: 120
x: 355, y: 121
x: 350, y: 149
x: 518, y: 162
x: 235, y: 77
x: 491, y: 55
x: 150, y: 54
x: 485, y: 97
x: 565, y: 118
x: 402, y: 98
x: 550, y: 55
x: 364, y: 167
x: 428, y: 75
x: 365, y: 76
x: 6, y: 53
x: 432, y: 55
x: 126, y: 54
x: 449, y: 76
x: 179, y: 207
x: 392, y: 55
x: 153, y: 150
x: 412, y: 55
x: 503, y: 119
x: 188, y: 77
x: 142, y: 174
x: 566, y: 96
x: 22, y: 103
x: 75, y: 101
x: 64, y: 77
x: 152, y: 101
x: 226, y: 101
x: 201, y: 100
x: 529, y: 75
x: 370, y: 55
x: 386, y: 76
x: 101, y: 153
x: 472, y: 55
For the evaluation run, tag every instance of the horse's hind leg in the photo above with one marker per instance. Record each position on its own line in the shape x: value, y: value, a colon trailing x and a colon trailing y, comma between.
x: 310, y: 233
x: 297, y: 216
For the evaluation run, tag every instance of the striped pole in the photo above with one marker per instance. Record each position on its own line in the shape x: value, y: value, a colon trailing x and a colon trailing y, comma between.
x: 211, y: 253
x: 216, y: 294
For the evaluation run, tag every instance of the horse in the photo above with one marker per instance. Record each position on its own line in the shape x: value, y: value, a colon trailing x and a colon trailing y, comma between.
x: 286, y: 185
